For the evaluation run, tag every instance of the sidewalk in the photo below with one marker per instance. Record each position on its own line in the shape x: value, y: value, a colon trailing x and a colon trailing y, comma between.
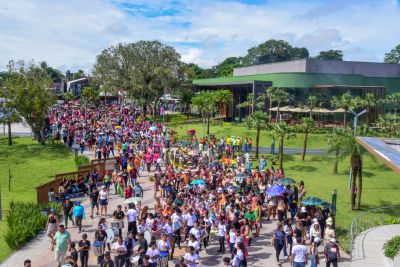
x: 367, y: 248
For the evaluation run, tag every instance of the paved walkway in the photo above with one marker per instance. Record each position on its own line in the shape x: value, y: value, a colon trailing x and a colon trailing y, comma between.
x: 38, y: 250
x: 367, y: 248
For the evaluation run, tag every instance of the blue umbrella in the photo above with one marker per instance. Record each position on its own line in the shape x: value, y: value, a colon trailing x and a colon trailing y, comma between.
x: 313, y: 201
x: 196, y: 182
x: 153, y: 128
x: 275, y: 190
x: 286, y: 181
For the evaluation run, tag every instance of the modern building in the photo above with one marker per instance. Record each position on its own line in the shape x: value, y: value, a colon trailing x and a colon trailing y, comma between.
x: 76, y: 86
x: 323, y: 78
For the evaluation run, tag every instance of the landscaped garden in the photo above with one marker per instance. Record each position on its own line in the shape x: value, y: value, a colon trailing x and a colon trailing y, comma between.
x: 31, y: 164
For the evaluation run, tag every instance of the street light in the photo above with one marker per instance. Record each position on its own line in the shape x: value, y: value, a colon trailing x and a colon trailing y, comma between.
x: 356, y: 115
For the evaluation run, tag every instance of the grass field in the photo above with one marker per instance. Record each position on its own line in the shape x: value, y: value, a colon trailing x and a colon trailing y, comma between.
x: 31, y: 165
x: 381, y: 185
x: 315, y: 140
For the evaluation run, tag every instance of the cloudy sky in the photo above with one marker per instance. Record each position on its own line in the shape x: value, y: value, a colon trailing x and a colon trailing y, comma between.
x: 68, y: 34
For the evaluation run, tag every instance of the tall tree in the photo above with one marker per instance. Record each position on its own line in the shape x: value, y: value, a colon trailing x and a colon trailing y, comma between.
x: 222, y: 98
x: 306, y: 125
x: 258, y: 120
x: 312, y: 102
x: 270, y: 95
x: 8, y: 115
x: 274, y: 51
x: 393, y: 56
x: 335, y: 141
x: 78, y: 74
x: 225, y: 68
x: 369, y: 102
x: 345, y: 102
x: 204, y: 103
x: 351, y: 148
x: 280, y: 95
x: 145, y: 69
x: 394, y: 99
x: 330, y: 55
x: 26, y: 90
x: 281, y: 131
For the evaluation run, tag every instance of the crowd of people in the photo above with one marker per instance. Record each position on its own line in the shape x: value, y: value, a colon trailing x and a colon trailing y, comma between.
x: 206, y: 192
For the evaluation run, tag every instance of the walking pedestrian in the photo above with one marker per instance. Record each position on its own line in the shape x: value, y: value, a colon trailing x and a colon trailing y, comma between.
x: 61, y: 244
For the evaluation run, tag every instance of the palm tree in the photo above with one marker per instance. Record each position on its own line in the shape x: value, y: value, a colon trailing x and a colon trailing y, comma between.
x: 389, y: 125
x: 395, y: 100
x: 270, y: 95
x: 312, y: 102
x: 369, y: 102
x: 280, y: 96
x: 345, y: 102
x: 281, y: 131
x: 222, y: 98
x: 258, y: 120
x: 351, y: 148
x: 306, y: 124
x: 335, y: 141
x: 205, y: 105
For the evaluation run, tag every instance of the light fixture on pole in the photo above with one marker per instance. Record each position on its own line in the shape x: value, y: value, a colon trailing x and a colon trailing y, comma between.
x: 356, y: 115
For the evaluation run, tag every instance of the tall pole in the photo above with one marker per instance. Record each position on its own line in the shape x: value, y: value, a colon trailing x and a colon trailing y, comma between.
x: 1, y: 207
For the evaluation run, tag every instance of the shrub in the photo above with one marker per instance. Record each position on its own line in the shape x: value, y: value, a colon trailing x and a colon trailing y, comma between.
x: 392, y: 247
x: 391, y: 220
x: 24, y: 221
x: 81, y: 160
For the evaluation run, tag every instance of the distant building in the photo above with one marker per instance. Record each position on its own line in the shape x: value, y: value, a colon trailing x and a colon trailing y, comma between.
x: 306, y: 77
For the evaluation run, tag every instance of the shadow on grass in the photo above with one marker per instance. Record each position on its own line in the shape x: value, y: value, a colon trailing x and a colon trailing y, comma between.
x: 303, y: 168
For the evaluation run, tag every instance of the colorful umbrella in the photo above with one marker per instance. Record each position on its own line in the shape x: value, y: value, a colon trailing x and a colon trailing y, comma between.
x: 197, y: 182
x: 313, y: 201
x: 275, y: 190
x: 153, y: 128
x: 286, y: 181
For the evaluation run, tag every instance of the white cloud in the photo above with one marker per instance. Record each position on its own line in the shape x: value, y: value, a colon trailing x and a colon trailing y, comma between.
x: 69, y: 34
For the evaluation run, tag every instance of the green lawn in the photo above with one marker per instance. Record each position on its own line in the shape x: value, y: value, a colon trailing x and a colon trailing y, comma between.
x: 31, y: 165
x: 381, y: 185
x: 315, y: 140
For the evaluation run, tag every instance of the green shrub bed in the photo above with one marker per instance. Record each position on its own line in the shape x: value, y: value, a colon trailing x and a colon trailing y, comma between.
x: 392, y: 247
x: 25, y: 220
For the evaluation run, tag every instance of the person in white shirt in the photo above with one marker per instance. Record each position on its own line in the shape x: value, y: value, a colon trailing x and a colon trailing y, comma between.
x: 153, y: 253
x: 232, y: 239
x: 191, y: 258
x: 119, y: 249
x: 132, y: 215
x: 164, y: 246
x: 299, y: 256
x: 193, y: 243
x: 190, y: 219
x: 221, y: 235
x: 195, y: 231
x: 142, y: 226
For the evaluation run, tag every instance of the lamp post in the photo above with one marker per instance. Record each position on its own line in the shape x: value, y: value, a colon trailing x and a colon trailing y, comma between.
x: 356, y: 115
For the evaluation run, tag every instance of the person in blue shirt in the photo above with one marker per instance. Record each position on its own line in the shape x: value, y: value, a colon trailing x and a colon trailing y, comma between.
x: 78, y: 213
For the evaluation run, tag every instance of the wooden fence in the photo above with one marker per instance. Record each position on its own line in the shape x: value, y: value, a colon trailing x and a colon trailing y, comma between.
x: 101, y: 166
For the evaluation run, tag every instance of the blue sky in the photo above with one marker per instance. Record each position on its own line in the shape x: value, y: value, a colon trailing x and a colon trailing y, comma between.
x: 69, y: 34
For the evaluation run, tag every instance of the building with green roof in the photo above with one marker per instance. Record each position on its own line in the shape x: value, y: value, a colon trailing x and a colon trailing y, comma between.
x: 324, y: 78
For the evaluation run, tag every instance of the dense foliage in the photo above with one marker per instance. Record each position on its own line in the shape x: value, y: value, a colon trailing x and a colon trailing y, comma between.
x: 24, y: 221
x: 392, y: 247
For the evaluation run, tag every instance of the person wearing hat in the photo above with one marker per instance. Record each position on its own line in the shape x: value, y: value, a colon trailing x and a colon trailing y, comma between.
x: 103, y: 200
x: 329, y: 232
x: 78, y: 214
x: 66, y: 208
x: 52, y: 223
x: 331, y: 253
